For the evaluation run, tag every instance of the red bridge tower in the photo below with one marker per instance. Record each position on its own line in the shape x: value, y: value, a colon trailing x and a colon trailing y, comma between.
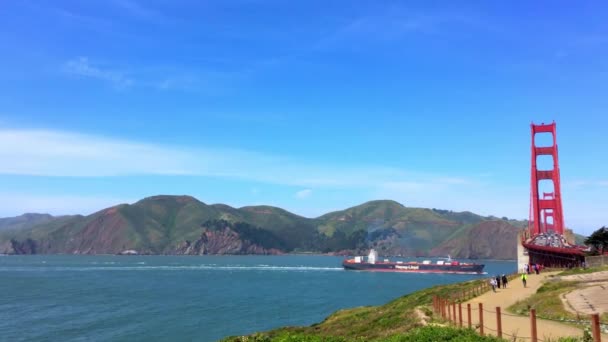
x: 545, y: 211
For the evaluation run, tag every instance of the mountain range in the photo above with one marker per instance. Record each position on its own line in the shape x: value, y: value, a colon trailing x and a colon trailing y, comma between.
x: 184, y: 225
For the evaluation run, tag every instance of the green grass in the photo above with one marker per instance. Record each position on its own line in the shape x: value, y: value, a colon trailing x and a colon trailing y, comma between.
x: 389, y: 322
x: 428, y: 333
x: 574, y: 271
x: 547, y: 300
x: 398, y: 321
x: 422, y: 334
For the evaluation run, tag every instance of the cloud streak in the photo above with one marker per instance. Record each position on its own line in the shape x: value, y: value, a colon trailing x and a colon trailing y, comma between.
x: 161, y: 78
x: 15, y: 203
x: 81, y: 67
x: 66, y: 154
x: 303, y: 194
x: 397, y: 22
x: 138, y: 10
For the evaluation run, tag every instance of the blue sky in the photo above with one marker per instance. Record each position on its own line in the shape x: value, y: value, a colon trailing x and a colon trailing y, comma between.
x: 312, y: 106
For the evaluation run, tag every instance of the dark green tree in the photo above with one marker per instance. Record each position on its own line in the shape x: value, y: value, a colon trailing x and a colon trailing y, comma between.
x: 598, y: 240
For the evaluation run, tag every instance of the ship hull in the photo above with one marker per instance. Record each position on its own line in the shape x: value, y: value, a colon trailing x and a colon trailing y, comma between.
x: 414, y: 268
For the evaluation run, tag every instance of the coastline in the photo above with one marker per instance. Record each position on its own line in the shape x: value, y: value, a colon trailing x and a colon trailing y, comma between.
x: 405, y: 316
x: 332, y: 254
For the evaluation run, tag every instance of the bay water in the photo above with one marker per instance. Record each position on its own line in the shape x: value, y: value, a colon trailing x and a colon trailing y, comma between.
x: 188, y: 298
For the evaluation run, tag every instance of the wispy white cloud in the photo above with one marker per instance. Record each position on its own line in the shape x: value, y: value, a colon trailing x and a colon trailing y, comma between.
x: 158, y: 77
x: 81, y: 67
x: 66, y: 154
x: 141, y: 11
x: 53, y: 153
x: 12, y: 204
x: 575, y: 183
x: 453, y: 180
x: 589, y: 183
x: 396, y: 22
x: 135, y: 8
x: 303, y: 194
x: 57, y: 153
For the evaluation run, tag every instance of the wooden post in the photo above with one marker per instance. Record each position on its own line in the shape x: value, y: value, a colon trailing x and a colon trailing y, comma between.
x: 454, y: 312
x: 481, y: 319
x: 595, y: 328
x: 438, y: 306
x: 498, y: 322
x: 449, y: 310
x: 534, y: 337
x: 440, y: 312
x: 469, y: 314
x: 438, y: 303
x: 442, y: 307
x: 460, y: 315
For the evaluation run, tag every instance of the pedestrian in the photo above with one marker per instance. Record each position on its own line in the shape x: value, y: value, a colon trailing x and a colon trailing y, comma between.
x: 493, y: 284
x: 536, y: 268
x: 524, y: 278
x: 497, y: 281
x: 527, y: 269
x: 504, y: 281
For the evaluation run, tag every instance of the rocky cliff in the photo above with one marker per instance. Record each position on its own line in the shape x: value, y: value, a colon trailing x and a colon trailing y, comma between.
x: 485, y: 240
x: 222, y: 241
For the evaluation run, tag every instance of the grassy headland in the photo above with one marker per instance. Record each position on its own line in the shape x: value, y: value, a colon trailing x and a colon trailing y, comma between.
x: 398, y: 320
x: 410, y: 317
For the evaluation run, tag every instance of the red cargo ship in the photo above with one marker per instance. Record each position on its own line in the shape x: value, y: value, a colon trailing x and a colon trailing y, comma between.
x: 371, y: 263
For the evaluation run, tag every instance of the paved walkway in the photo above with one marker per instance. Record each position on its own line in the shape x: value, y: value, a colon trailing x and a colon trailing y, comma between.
x: 518, y: 326
x: 590, y: 298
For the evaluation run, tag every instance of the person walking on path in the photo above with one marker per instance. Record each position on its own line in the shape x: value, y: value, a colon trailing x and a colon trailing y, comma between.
x: 498, y: 281
x: 524, y: 278
x: 547, y: 330
x: 536, y: 268
x: 504, y: 281
x: 493, y: 284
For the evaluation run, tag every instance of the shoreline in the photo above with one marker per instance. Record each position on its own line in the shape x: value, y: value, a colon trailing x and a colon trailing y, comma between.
x: 283, y: 254
x: 343, y: 325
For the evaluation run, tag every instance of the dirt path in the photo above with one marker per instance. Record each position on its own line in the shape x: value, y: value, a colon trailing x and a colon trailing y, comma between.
x: 518, y: 326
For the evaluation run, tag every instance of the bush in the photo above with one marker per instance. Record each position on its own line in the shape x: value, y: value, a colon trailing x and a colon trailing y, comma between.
x: 432, y: 334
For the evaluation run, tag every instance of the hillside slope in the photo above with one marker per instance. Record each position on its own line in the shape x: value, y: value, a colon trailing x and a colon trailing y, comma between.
x: 24, y: 221
x: 176, y: 224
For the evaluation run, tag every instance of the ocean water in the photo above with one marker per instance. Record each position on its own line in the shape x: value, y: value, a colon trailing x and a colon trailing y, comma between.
x: 187, y: 298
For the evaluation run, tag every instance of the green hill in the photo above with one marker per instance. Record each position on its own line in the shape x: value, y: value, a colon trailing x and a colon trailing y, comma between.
x: 174, y: 224
x: 24, y: 221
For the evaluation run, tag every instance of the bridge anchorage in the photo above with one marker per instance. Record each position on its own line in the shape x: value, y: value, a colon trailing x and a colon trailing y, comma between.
x: 547, y: 241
